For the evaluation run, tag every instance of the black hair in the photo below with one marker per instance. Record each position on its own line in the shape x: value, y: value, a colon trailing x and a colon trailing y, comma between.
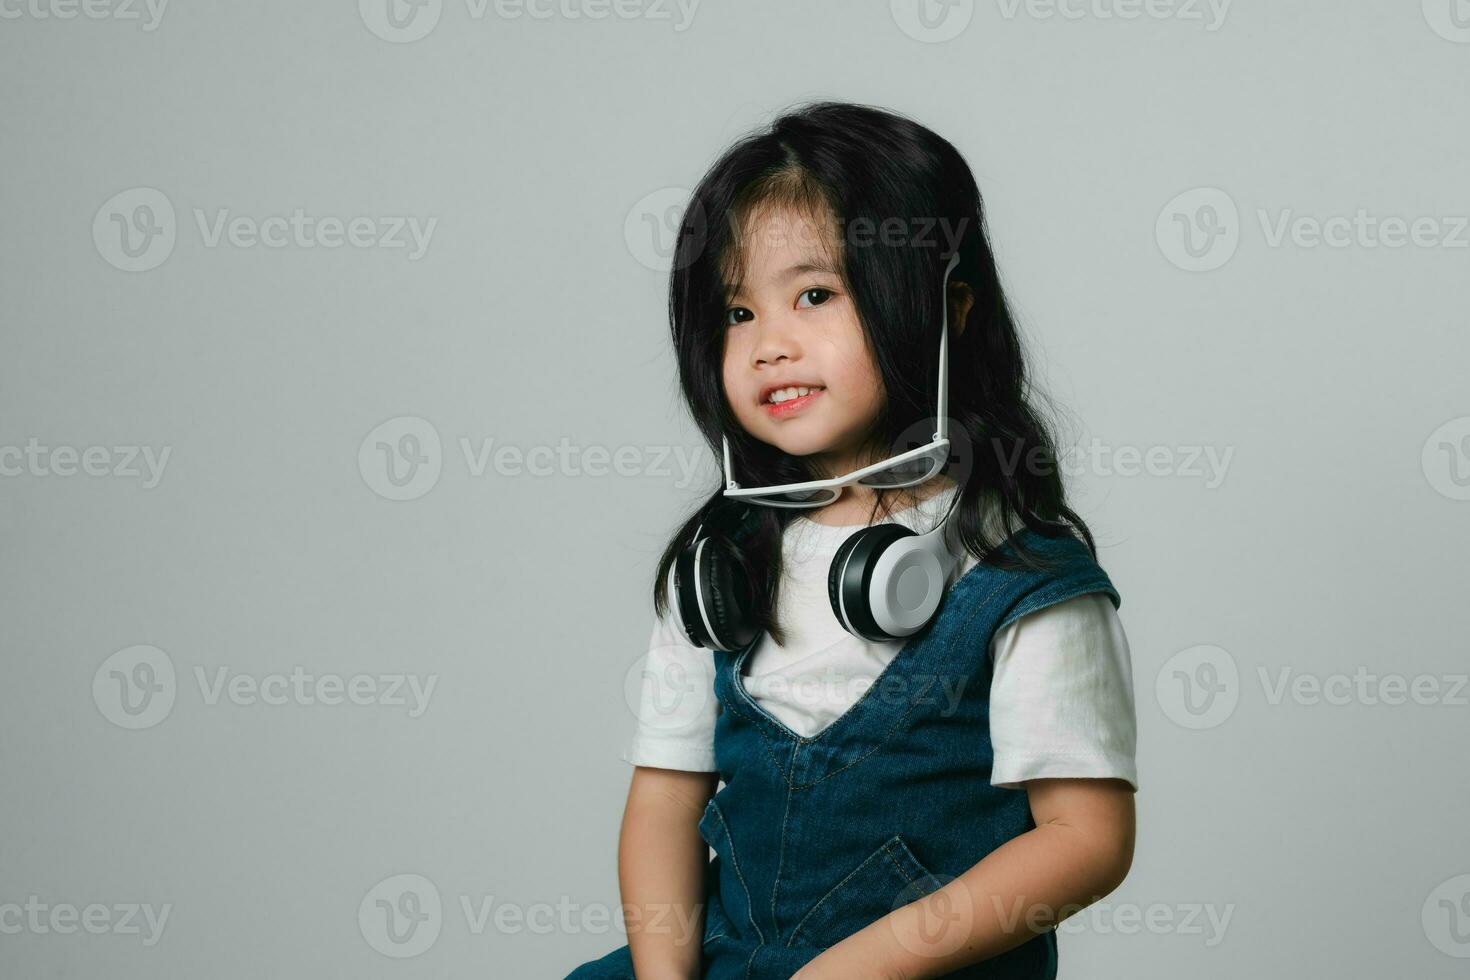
x: 900, y: 199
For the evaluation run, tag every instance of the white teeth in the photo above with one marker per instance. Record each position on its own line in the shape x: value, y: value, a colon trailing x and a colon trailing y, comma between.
x: 786, y: 394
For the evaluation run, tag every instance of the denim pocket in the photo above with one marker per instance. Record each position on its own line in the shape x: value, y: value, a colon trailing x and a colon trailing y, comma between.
x: 733, y: 895
x: 887, y: 879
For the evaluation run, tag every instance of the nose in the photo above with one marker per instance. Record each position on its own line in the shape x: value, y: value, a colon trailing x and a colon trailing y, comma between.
x: 774, y: 343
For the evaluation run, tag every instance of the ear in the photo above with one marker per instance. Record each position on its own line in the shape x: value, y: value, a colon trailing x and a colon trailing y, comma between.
x: 961, y: 298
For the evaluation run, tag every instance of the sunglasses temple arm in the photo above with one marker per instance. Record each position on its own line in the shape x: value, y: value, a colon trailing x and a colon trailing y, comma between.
x: 730, y: 484
x: 942, y: 429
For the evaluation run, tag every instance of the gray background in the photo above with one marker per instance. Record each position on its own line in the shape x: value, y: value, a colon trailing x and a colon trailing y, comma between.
x: 1331, y: 835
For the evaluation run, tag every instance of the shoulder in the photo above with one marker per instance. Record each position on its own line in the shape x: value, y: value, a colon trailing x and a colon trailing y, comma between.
x: 1052, y: 570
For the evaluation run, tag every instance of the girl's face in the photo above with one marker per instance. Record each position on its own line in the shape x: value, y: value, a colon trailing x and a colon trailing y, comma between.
x: 793, y: 324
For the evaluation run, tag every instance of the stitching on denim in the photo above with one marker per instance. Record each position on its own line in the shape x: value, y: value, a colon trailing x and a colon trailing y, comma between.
x: 1051, y: 596
x: 735, y: 863
x: 781, y: 851
x: 877, y: 745
x: 755, y: 723
x: 901, y: 870
x: 763, y: 718
x: 875, y: 856
x: 741, y: 692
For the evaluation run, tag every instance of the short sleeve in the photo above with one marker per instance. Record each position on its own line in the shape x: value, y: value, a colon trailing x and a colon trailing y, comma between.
x: 1061, y: 697
x: 677, y: 707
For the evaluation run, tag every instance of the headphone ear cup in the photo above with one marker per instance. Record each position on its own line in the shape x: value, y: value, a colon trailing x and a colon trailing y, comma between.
x: 850, y: 579
x: 713, y: 597
x: 730, y: 600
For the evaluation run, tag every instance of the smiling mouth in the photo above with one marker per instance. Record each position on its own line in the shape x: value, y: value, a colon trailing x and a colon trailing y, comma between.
x: 792, y: 406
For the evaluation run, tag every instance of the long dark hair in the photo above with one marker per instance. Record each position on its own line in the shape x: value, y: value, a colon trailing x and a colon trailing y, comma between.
x: 903, y: 198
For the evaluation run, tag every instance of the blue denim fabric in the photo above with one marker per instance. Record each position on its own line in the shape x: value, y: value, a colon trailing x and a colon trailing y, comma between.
x: 816, y: 837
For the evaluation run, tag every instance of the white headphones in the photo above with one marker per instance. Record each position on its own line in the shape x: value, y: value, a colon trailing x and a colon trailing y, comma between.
x: 886, y: 582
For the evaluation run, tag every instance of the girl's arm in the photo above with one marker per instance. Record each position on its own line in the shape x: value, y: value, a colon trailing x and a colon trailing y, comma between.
x: 661, y: 866
x: 1080, y: 850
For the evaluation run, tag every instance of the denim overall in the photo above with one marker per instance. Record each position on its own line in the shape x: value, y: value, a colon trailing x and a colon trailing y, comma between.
x: 816, y: 837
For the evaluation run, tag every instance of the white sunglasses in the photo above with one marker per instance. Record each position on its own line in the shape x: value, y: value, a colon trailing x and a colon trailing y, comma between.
x: 904, y: 470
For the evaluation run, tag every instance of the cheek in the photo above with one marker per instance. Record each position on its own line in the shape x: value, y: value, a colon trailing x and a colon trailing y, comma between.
x: 856, y: 372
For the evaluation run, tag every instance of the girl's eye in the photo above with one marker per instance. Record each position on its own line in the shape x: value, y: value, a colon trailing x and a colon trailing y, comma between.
x: 817, y: 295
x: 822, y: 294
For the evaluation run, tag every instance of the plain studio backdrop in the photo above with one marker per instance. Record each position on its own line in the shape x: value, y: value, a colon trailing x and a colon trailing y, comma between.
x: 340, y: 437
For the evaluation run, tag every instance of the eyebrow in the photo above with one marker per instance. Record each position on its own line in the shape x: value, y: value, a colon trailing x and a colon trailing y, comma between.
x: 789, y: 273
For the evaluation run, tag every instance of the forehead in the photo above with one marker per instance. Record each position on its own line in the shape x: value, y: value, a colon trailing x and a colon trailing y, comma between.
x: 773, y: 244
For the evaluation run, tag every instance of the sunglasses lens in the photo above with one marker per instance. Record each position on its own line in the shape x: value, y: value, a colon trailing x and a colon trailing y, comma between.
x: 797, y: 498
x: 905, y: 474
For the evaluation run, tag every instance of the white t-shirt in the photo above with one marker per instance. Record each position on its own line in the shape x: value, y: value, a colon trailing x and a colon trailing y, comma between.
x: 1061, y: 695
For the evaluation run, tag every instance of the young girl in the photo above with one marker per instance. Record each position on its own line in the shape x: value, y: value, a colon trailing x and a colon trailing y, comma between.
x: 920, y: 805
